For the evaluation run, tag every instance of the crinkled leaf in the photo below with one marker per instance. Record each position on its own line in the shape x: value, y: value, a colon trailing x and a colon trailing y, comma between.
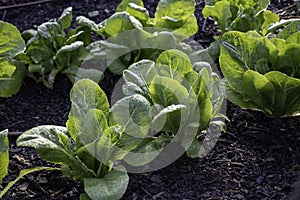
x: 11, y: 41
x: 290, y: 29
x: 83, y: 21
x: 139, y: 13
x: 269, y: 19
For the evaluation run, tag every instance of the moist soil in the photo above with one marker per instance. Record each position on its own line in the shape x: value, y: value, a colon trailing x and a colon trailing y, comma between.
x: 257, y: 158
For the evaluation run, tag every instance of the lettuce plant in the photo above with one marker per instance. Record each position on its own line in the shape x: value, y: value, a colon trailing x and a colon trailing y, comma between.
x: 89, y: 147
x: 12, y: 72
x: 241, y: 15
x: 263, y: 73
x: 179, y: 98
x: 132, y: 34
x: 51, y: 49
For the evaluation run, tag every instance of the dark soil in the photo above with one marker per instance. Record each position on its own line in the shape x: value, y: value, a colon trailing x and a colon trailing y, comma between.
x: 257, y: 158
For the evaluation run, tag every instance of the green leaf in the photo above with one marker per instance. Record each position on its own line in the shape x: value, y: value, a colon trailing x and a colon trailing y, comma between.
x: 4, y: 157
x: 11, y: 77
x: 290, y: 29
x: 85, y: 22
x: 169, y: 9
x: 259, y: 90
x: 12, y: 42
x: 85, y: 95
x: 93, y: 127
x: 125, y: 4
x: 166, y: 92
x: 174, y: 64
x: 159, y: 120
x: 51, y: 143
x: 111, y: 187
x: 220, y: 11
x: 288, y: 61
x: 71, y: 55
x: 287, y: 97
x: 189, y: 28
x: 66, y: 18
x: 84, y: 196
x: 269, y: 19
x: 120, y: 22
x: 139, y: 13
x: 24, y: 173
x: 133, y: 114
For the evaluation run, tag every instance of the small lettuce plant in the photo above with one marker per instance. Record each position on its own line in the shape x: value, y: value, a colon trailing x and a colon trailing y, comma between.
x: 132, y: 34
x: 52, y: 49
x: 263, y: 73
x: 180, y: 99
x: 241, y: 15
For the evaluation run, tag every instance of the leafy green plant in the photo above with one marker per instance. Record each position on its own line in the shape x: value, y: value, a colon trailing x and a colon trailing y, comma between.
x: 12, y: 72
x: 179, y: 98
x: 4, y: 157
x: 132, y: 35
x: 50, y: 50
x: 241, y: 15
x: 88, y: 148
x: 263, y: 73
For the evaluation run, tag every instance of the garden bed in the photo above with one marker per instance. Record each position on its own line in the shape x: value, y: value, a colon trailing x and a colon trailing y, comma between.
x: 257, y: 158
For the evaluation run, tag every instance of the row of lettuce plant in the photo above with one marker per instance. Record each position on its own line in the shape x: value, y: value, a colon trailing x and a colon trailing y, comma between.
x: 169, y: 96
x: 53, y: 47
x: 167, y: 101
x: 243, y: 16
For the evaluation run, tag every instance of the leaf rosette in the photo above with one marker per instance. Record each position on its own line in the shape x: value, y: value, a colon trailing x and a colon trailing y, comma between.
x: 263, y: 73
